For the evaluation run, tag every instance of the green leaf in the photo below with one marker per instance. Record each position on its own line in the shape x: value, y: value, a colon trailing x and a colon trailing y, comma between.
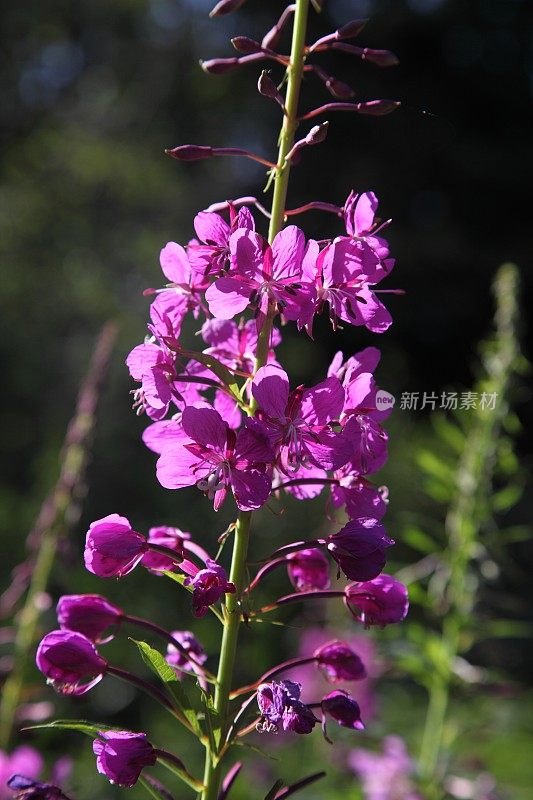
x: 255, y: 749
x: 274, y: 790
x: 81, y: 725
x: 183, y: 700
x: 449, y: 433
x: 434, y: 466
x: 516, y: 533
x: 156, y: 661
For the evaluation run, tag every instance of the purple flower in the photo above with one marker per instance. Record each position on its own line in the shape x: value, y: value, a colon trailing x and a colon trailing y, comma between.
x: 381, y: 601
x: 339, y: 662
x: 308, y: 569
x: 173, y: 539
x: 343, y: 708
x: 112, y: 547
x: 264, y: 274
x: 154, y: 367
x: 297, y: 423
x: 177, y: 659
x: 367, y: 442
x: 23, y: 760
x: 359, y: 218
x: 341, y: 275
x: 385, y: 775
x: 208, y: 587
x: 89, y: 614
x: 361, y: 498
x: 359, y: 548
x: 213, y: 255
x: 26, y: 788
x: 279, y: 703
x: 203, y: 450
x: 121, y: 756
x: 184, y: 280
x: 67, y: 658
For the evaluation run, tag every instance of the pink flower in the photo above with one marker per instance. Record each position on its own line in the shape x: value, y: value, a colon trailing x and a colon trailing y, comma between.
x: 213, y: 255
x: 361, y: 498
x: 385, y: 775
x: 203, y: 450
x: 183, y: 280
x: 89, y: 614
x: 208, y: 585
x: 381, y: 601
x: 191, y: 645
x: 264, y: 274
x: 112, y: 547
x: 67, y: 659
x: 298, y: 422
x: 308, y: 569
x: 122, y: 755
x: 344, y: 710
x: 280, y: 704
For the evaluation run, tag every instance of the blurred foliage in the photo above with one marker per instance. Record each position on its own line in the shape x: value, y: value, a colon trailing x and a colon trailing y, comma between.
x: 92, y: 94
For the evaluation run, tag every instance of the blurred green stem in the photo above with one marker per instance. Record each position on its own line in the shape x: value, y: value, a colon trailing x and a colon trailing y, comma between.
x: 52, y: 523
x: 467, y: 514
x: 213, y: 765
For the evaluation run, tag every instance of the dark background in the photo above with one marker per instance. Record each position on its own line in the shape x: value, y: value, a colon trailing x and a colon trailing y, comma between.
x: 92, y: 94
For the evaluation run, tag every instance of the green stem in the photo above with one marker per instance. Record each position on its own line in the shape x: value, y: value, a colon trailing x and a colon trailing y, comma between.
x: 213, y: 765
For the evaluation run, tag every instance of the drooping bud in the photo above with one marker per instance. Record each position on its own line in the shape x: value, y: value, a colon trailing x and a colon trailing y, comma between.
x: 112, y: 547
x: 28, y: 789
x: 339, y: 662
x: 337, y: 88
x: 178, y: 659
x: 308, y: 569
x: 245, y: 45
x: 226, y: 7
x: 359, y: 548
x: 317, y: 134
x: 381, y: 58
x: 190, y: 152
x: 344, y: 710
x: 173, y: 539
x: 267, y: 87
x: 219, y: 66
x: 351, y: 29
x: 67, y: 658
x: 208, y: 587
x: 122, y: 755
x: 381, y: 601
x: 89, y: 614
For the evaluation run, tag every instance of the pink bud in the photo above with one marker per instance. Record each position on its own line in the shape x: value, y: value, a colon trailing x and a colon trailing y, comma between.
x: 226, y: 7
x: 243, y: 44
x: 351, y: 29
x: 219, y: 66
x: 378, y: 108
x: 317, y: 134
x: 190, y: 152
x: 340, y: 89
x: 381, y: 58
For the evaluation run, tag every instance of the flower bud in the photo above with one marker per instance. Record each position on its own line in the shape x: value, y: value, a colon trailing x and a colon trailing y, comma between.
x: 67, y: 658
x: 226, y: 7
x: 267, y: 87
x: 343, y: 709
x: 121, y: 756
x: 208, y: 587
x: 245, y: 45
x: 190, y: 152
x: 339, y: 89
x: 219, y: 66
x: 28, y: 789
x: 339, y: 662
x: 351, y: 29
x: 172, y: 539
x: 308, y: 569
x: 381, y: 601
x: 378, y: 108
x: 359, y: 548
x: 381, y: 58
x: 89, y: 614
x: 112, y: 547
x: 317, y: 134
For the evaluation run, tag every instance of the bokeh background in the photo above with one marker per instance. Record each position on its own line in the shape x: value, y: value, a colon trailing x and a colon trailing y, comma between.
x: 92, y: 94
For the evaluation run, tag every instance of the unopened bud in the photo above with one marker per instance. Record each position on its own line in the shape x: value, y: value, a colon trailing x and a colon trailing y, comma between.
x: 378, y: 108
x: 317, y: 133
x: 340, y: 89
x: 226, y: 7
x: 190, y: 152
x: 351, y: 29
x: 219, y: 66
x: 381, y: 58
x: 243, y: 44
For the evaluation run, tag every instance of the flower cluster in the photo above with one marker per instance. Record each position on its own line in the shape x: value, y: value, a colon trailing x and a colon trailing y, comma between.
x: 225, y: 419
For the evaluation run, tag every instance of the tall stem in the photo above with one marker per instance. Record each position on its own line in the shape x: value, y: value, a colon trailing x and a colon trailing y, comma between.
x: 213, y: 772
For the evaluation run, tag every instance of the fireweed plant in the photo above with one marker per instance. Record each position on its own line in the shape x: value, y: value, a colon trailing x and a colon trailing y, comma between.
x: 227, y: 421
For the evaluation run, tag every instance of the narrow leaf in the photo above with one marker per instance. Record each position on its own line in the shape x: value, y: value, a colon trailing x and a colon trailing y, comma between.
x: 153, y: 659
x: 81, y: 725
x: 177, y: 768
x: 155, y: 788
x: 295, y: 787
